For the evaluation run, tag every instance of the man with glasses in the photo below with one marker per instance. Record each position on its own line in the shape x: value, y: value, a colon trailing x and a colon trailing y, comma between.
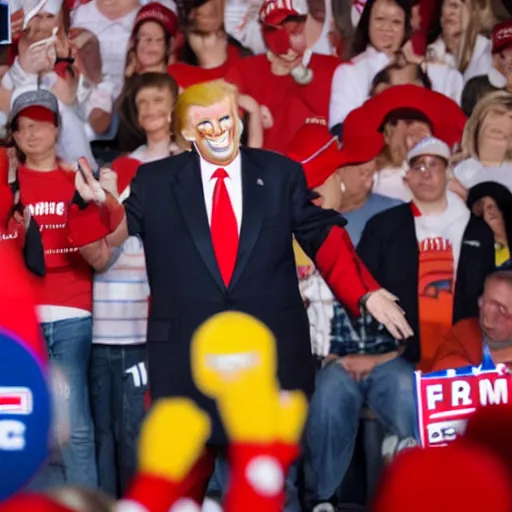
x: 431, y: 253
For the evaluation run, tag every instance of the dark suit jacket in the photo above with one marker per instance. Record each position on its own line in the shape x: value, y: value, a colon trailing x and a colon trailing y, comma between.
x: 167, y: 209
x: 389, y: 249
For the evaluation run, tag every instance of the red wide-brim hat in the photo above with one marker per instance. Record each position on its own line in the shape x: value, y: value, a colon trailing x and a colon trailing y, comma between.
x: 446, y: 118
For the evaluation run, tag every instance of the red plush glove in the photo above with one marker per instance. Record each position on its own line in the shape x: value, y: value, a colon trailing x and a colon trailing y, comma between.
x: 258, y: 474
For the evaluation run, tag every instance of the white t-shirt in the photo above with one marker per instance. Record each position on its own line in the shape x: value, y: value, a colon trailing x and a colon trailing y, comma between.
x: 471, y: 172
x: 113, y: 35
x: 352, y: 81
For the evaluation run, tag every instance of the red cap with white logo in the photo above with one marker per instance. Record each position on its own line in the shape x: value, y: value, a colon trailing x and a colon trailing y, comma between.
x: 502, y: 36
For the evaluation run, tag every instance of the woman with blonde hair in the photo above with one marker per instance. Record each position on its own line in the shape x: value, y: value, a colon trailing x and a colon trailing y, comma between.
x: 487, y: 144
x: 458, y: 40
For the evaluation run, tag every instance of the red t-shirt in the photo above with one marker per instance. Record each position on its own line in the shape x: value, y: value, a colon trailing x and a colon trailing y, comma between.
x: 187, y: 75
x: 68, y: 280
x: 290, y: 103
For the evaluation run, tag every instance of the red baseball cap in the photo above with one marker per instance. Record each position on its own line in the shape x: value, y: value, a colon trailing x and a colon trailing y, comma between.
x: 445, y: 117
x: 361, y: 141
x: 502, y: 36
x: 318, y: 151
x: 274, y: 12
x: 155, y: 11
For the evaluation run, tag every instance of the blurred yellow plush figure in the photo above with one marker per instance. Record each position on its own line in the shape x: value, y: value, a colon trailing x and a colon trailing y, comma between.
x: 234, y: 361
x: 172, y: 438
x: 231, y: 345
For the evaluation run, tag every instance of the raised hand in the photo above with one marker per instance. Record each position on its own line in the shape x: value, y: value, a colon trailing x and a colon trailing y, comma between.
x: 383, y: 306
x: 87, y: 185
x: 108, y: 181
x: 172, y: 438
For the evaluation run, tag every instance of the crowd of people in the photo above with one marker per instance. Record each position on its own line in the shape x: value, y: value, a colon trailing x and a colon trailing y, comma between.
x: 366, y: 218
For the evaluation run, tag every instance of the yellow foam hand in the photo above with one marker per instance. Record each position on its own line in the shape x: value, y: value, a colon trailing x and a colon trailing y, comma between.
x: 172, y: 438
x: 291, y: 416
x: 231, y: 346
x: 262, y: 414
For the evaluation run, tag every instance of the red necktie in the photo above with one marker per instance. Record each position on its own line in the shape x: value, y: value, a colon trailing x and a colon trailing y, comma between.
x: 224, y: 227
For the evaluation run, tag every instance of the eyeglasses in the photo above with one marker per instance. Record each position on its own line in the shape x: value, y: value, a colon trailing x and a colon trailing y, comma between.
x: 426, y: 166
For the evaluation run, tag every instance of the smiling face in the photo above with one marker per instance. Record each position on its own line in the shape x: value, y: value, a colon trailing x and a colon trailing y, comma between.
x: 154, y: 106
x: 215, y: 130
x: 229, y: 346
x: 151, y: 45
x: 387, y: 26
x: 35, y: 138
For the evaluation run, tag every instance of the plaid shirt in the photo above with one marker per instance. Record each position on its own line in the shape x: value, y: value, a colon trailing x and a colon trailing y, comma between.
x: 363, y: 335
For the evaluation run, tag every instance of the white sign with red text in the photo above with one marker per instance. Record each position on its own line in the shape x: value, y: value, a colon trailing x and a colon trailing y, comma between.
x: 446, y: 399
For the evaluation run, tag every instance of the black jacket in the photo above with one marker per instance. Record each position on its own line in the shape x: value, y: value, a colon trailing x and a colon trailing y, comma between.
x: 389, y: 249
x: 166, y: 208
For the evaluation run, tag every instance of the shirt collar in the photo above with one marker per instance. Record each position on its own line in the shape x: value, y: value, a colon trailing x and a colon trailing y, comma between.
x: 232, y: 168
x: 496, y: 79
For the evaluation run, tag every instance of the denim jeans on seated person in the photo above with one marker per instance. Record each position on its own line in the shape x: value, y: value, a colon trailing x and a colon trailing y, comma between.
x: 73, y: 462
x: 335, y: 410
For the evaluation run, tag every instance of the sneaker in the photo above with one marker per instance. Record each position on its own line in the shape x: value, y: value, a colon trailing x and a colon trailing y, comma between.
x: 324, y: 507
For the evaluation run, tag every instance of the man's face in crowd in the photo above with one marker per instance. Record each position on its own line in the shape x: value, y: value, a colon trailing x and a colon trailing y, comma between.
x: 154, y: 108
x: 387, y: 26
x: 114, y: 9
x: 406, y: 75
x: 295, y: 29
x: 35, y: 138
x: 497, y: 127
x: 503, y: 61
x: 215, y: 130
x: 496, y: 311
x: 427, y: 178
x: 207, y: 18
x: 316, y: 9
x: 401, y: 136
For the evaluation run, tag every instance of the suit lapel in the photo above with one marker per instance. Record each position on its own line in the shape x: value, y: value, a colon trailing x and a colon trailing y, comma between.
x: 253, y: 212
x: 188, y: 190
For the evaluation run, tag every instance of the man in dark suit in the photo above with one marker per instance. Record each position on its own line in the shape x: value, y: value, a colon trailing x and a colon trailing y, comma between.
x: 217, y: 224
x: 431, y: 253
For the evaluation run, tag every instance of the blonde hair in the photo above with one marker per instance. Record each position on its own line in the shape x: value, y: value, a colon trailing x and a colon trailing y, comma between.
x: 471, y: 135
x: 204, y: 94
x: 82, y: 500
x: 480, y: 20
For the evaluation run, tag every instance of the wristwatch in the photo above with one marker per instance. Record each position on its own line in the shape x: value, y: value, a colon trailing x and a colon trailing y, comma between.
x: 364, y: 299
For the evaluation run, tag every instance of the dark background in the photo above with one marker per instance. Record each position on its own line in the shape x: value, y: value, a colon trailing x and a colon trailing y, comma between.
x: 4, y: 22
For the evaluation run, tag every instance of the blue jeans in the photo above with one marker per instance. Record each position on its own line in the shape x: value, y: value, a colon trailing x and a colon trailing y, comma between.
x: 118, y: 383
x: 219, y: 482
x: 334, y: 416
x: 69, y: 345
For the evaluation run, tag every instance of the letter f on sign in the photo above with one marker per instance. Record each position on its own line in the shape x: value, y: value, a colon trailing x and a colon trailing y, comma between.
x: 434, y: 395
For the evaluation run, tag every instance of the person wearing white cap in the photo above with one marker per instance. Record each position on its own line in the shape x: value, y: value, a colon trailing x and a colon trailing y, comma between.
x: 431, y: 253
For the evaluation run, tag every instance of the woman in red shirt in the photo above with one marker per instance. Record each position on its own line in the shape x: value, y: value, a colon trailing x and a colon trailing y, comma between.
x: 64, y: 294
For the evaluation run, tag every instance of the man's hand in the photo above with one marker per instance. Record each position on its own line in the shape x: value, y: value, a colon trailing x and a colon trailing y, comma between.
x: 108, y: 181
x: 382, y: 306
x: 17, y: 19
x: 358, y: 366
x: 87, y: 185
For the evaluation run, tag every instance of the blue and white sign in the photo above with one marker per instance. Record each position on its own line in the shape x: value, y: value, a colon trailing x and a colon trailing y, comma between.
x: 25, y: 414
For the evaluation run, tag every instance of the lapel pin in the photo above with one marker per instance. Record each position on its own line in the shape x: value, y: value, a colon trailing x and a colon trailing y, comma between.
x: 259, y: 181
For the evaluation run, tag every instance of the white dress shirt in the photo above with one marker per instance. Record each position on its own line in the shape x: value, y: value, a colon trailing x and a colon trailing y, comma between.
x: 233, y: 185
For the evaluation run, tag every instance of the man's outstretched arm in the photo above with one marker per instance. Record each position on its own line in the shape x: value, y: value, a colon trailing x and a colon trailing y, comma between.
x: 322, y: 235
